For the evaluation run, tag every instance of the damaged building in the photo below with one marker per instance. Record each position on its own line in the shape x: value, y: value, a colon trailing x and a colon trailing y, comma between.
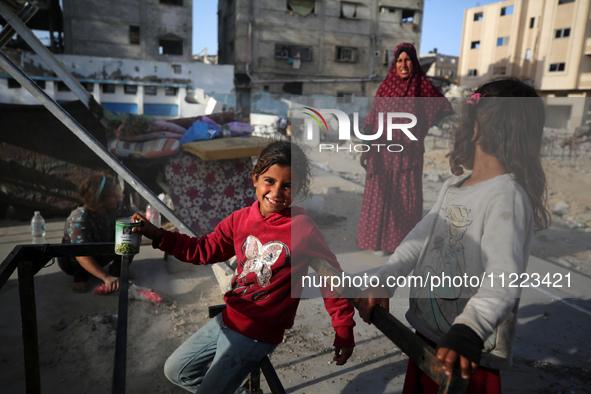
x: 134, y: 57
x: 150, y: 30
x: 312, y: 47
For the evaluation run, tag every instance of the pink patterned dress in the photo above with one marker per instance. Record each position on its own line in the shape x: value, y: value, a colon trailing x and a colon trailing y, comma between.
x: 393, y: 197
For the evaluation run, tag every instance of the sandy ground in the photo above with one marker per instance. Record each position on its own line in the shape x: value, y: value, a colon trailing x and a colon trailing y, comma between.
x: 77, y: 331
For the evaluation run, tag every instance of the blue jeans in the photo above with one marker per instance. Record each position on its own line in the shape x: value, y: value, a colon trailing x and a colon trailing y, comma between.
x: 232, y: 357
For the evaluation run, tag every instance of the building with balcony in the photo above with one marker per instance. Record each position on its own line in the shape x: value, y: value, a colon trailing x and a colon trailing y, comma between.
x: 547, y: 43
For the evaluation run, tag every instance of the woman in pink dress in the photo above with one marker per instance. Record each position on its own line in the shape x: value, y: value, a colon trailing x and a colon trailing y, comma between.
x: 393, y: 197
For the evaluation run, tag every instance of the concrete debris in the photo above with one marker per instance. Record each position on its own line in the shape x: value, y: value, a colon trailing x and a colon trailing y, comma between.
x: 561, y: 208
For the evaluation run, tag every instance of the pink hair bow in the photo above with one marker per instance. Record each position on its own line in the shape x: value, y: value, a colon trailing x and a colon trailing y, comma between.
x: 474, y: 99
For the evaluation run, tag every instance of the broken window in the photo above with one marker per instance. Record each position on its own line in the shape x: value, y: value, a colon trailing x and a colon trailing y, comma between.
x: 562, y: 33
x: 170, y: 45
x: 407, y: 16
x: 478, y: 16
x: 13, y: 83
x: 502, y: 41
x: 475, y: 45
x: 293, y: 88
x: 283, y: 51
x: 170, y: 91
x: 346, y: 54
x: 472, y: 72
x: 130, y: 89
x: 302, y: 7
x: 172, y: 2
x: 345, y: 97
x: 108, y: 88
x: 150, y: 90
x: 555, y: 67
x: 384, y: 9
x: 134, y: 34
x: 303, y: 52
x: 507, y: 10
x: 349, y: 10
x: 500, y: 70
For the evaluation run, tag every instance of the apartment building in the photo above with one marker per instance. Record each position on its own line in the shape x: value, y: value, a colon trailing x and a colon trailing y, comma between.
x: 547, y: 42
x: 138, y: 29
x: 309, y: 47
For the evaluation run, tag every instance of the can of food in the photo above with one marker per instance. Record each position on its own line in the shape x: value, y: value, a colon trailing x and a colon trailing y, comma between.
x: 126, y: 241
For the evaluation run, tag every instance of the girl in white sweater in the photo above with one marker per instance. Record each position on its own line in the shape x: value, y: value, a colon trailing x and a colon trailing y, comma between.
x: 476, y: 237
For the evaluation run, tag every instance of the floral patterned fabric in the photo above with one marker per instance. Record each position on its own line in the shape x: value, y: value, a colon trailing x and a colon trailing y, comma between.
x: 206, y: 192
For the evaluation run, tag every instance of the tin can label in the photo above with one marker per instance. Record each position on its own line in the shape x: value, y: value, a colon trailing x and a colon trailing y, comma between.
x: 126, y: 241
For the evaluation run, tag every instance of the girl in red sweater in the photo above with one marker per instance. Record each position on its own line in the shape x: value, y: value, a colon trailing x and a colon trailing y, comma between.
x: 273, y: 243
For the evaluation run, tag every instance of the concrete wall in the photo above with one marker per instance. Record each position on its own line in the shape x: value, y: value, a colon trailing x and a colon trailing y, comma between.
x: 210, y: 78
x: 250, y: 31
x: 102, y: 28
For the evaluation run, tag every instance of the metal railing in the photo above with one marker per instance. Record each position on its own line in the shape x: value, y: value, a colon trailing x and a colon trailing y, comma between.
x: 415, y: 348
x: 29, y: 260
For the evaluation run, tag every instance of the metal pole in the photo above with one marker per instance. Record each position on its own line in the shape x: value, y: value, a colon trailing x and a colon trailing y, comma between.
x: 25, y: 14
x: 26, y: 288
x: 415, y: 348
x: 121, y: 340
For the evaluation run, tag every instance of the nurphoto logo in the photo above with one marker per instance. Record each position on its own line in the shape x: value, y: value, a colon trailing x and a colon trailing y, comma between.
x: 315, y: 116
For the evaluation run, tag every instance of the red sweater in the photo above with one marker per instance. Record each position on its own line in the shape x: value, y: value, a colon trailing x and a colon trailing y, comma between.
x: 273, y: 254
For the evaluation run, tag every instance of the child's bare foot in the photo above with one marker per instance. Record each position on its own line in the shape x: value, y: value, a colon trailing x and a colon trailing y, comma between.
x: 79, y: 287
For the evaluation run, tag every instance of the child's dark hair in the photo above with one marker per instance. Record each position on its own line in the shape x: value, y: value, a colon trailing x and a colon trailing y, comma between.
x: 287, y: 154
x: 510, y: 128
x: 93, y: 189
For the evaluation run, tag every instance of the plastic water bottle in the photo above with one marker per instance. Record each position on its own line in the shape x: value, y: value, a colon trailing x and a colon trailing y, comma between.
x: 38, y: 228
x: 153, y: 215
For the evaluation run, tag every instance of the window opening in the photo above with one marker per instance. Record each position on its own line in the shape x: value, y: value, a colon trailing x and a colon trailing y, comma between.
x: 107, y: 88
x: 130, y: 89
x: 507, y: 10
x: 134, y: 34
x: 346, y: 54
x: 562, y: 33
x: 170, y: 46
x: 502, y: 41
x: 555, y: 67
